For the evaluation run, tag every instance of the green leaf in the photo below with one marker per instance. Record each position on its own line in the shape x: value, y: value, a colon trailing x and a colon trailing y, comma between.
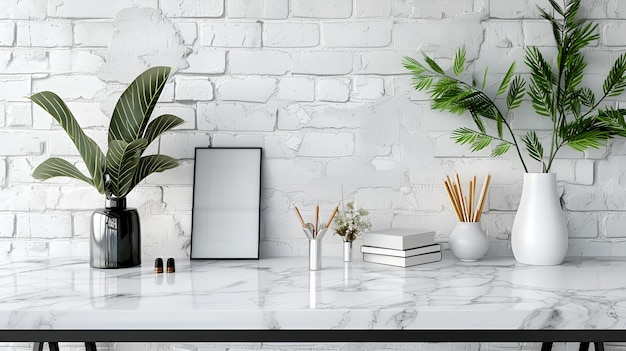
x: 481, y: 142
x: 588, y: 139
x: 57, y: 167
x: 413, y: 65
x: 517, y: 89
x: 507, y: 78
x: 485, y: 78
x: 615, y: 82
x: 151, y: 164
x: 136, y: 104
x: 535, y: 149
x: 432, y: 64
x: 122, y: 161
x: 161, y: 125
x: 459, y: 61
x: 87, y: 148
x: 500, y: 149
x: 477, y: 140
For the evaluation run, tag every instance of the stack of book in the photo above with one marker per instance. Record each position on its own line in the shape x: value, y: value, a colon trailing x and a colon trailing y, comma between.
x: 400, y: 247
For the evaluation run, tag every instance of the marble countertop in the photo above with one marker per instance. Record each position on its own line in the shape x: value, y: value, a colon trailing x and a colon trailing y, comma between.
x: 281, y: 293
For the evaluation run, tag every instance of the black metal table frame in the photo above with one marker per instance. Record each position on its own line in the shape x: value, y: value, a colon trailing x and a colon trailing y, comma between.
x: 89, y: 337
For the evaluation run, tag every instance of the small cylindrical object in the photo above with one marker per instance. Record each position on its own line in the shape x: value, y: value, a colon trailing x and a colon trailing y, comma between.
x: 347, y: 251
x: 170, y: 266
x: 158, y: 265
x: 315, y: 254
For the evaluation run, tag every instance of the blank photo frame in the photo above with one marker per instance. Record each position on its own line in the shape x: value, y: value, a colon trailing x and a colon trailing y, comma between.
x: 226, y: 203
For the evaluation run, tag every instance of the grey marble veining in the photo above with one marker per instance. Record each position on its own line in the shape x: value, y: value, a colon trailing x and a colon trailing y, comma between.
x: 274, y: 293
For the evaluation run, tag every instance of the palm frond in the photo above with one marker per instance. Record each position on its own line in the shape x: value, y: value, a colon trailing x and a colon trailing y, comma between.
x: 500, y: 149
x: 432, y: 64
x: 615, y: 82
x: 459, y: 61
x: 506, y: 80
x: 534, y: 146
x: 517, y: 89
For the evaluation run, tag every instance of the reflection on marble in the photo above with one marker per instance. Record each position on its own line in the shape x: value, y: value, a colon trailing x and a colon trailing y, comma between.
x: 275, y: 293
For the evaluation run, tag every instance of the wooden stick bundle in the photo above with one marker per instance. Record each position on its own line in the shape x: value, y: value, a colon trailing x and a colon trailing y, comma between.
x: 465, y: 207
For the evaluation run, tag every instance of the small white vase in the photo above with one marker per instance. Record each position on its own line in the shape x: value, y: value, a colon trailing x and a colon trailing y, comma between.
x: 347, y: 251
x: 539, y: 234
x: 468, y: 242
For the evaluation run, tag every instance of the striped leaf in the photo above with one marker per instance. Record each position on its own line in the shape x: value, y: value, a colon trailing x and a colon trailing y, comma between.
x: 122, y: 161
x: 152, y: 164
x: 87, y: 148
x: 160, y: 125
x: 136, y: 104
x: 57, y: 167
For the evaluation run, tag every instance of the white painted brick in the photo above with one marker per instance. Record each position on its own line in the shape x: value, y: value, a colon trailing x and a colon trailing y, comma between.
x: 97, y: 34
x: 181, y: 175
x: 333, y: 89
x: 435, y: 34
x: 296, y: 88
x: 193, y: 88
x: 360, y: 34
x: 538, y: 33
x: 291, y: 35
x: 368, y: 88
x: 83, y: 9
x: 231, y: 34
x: 525, y: 118
x: 259, y: 62
x: 322, y: 63
x: 433, y: 10
x: 269, y: 9
x: 3, y: 172
x: 281, y: 145
x: 301, y: 172
x: 327, y: 145
x: 7, y: 225
x: 206, y: 61
x: 239, y: 140
x: 178, y: 198
x: 372, y: 8
x: 47, y: 34
x: 188, y: 31
x: 584, y: 172
x: 22, y: 61
x: 83, y: 197
x: 16, y: 143
x: 504, y: 34
x: 613, y: 225
x: 182, y: 145
x: 613, y: 34
x: 234, y: 117
x: 28, y: 9
x: 250, y: 89
x: 71, y: 87
x: 44, y: 225
x: 39, y: 197
x: 75, y: 61
x: 14, y: 88
x: 58, y: 143
x: 18, y: 114
x: 88, y: 115
x: 377, y: 198
x: 382, y: 62
x: 193, y: 8
x: 515, y: 9
x: 186, y: 112
x: 72, y: 248
x: 322, y: 8
x: 582, y: 224
x: 7, y: 33
x: 81, y: 224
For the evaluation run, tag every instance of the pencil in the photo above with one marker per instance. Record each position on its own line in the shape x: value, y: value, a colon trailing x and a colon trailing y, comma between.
x: 317, y: 218
x: 332, y: 216
x: 299, y: 217
x: 481, y: 201
x: 454, y: 204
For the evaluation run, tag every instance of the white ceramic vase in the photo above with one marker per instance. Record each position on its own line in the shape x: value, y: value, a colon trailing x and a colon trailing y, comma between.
x: 468, y: 242
x: 539, y: 234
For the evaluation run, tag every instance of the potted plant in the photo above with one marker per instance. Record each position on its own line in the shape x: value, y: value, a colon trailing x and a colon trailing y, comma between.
x: 579, y: 119
x: 115, y: 230
x: 349, y: 224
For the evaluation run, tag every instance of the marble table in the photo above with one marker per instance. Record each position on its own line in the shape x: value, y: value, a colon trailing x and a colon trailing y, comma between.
x: 279, y: 299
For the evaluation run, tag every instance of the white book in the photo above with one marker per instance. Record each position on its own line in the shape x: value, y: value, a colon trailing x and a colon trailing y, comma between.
x: 399, y: 239
x: 403, y: 261
x: 401, y: 253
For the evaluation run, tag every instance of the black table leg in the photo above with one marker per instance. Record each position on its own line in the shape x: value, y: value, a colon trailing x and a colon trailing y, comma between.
x: 599, y: 346
x: 90, y: 346
x: 584, y: 346
x: 54, y: 346
x: 546, y: 346
x: 38, y: 346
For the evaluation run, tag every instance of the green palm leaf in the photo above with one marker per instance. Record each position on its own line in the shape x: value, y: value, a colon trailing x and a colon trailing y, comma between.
x: 459, y: 61
x: 516, y: 93
x: 432, y: 64
x: 136, y: 104
x: 152, y: 164
x: 122, y: 160
x: 160, y: 125
x: 535, y: 149
x: 507, y: 78
x: 615, y: 82
x: 57, y: 167
x: 87, y: 148
x: 500, y: 149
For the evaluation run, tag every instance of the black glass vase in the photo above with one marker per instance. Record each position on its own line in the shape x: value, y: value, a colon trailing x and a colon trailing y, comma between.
x: 115, y: 236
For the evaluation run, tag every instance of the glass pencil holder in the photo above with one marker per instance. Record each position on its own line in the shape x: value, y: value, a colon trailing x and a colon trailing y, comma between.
x: 315, y: 247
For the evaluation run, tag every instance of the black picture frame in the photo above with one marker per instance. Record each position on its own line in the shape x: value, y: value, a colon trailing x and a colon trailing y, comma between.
x: 226, y: 211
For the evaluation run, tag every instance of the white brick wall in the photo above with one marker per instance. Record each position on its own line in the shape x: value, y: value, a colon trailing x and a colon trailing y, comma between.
x: 318, y: 84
